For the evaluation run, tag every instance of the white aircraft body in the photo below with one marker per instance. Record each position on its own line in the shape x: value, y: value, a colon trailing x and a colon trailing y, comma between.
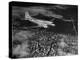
x: 41, y: 23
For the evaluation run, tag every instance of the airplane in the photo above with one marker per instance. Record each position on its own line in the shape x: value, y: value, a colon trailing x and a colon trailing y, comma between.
x: 41, y: 23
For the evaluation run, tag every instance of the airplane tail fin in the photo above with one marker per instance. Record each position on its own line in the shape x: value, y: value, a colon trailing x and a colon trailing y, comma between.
x: 27, y: 16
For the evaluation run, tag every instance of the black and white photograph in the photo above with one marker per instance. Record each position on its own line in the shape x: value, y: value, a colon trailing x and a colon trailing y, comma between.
x: 42, y: 30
